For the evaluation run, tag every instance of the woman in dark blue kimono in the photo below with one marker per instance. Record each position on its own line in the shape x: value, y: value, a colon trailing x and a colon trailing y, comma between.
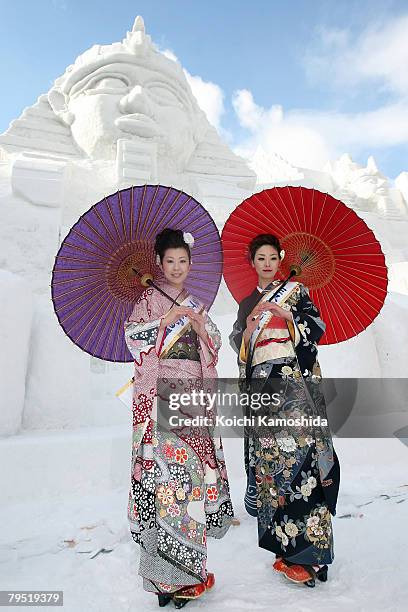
x: 292, y: 469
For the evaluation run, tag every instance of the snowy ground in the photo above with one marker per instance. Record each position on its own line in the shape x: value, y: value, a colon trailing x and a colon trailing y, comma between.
x: 51, y: 545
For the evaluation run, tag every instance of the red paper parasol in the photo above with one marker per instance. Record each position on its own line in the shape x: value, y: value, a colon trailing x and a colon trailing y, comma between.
x: 341, y: 260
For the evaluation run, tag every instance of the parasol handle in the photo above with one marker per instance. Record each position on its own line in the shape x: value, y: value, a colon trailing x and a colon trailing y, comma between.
x: 146, y: 280
x: 294, y: 271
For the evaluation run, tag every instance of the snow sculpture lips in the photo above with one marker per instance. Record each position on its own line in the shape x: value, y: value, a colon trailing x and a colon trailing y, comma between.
x: 138, y: 124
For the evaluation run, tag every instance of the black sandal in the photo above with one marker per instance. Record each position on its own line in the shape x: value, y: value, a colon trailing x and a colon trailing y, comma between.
x: 164, y: 599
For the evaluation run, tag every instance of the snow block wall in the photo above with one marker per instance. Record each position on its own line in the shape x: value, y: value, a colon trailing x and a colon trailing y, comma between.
x: 15, y: 324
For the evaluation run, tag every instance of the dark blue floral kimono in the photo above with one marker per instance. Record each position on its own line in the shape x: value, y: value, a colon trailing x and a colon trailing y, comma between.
x: 293, y: 472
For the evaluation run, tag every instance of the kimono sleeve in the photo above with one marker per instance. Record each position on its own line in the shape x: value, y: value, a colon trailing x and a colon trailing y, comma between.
x: 210, y: 349
x: 142, y: 328
x: 235, y: 337
x: 306, y: 318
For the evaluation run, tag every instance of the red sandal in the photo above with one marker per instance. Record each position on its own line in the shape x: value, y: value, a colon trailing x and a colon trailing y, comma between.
x: 304, y: 574
x: 279, y: 565
x: 183, y: 596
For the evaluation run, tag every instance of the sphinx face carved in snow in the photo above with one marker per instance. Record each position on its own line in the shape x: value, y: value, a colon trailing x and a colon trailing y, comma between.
x: 129, y: 90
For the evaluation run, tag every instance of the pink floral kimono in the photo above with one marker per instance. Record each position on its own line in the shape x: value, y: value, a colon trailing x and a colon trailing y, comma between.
x: 179, y: 491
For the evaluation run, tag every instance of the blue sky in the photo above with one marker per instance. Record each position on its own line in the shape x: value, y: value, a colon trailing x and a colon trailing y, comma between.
x: 309, y: 80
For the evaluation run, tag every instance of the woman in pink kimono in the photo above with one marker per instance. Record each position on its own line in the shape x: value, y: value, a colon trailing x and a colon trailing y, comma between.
x: 179, y: 491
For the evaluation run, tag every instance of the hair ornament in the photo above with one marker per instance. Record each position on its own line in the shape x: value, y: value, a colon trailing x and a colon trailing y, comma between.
x: 188, y: 239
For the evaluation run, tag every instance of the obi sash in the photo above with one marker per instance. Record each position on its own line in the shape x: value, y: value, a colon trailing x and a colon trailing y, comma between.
x: 272, y: 329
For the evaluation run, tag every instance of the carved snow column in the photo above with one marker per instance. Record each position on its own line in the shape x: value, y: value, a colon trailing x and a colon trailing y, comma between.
x: 136, y: 162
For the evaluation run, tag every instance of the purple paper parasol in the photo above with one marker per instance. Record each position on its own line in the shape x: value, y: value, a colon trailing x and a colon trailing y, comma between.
x: 93, y: 285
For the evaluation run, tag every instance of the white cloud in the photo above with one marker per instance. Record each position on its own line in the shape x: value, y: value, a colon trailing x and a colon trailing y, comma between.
x: 288, y: 136
x: 209, y: 96
x: 309, y: 138
x: 170, y: 55
x: 379, y: 55
x: 60, y: 5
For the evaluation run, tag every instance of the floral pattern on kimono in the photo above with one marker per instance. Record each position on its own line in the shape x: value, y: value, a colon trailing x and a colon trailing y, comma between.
x: 292, y: 474
x: 179, y: 485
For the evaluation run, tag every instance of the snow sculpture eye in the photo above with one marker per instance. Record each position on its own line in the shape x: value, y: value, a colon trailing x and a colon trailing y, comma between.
x: 107, y: 84
x: 164, y: 95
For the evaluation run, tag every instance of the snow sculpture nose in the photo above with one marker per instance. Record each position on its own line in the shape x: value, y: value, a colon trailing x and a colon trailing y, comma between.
x: 136, y: 101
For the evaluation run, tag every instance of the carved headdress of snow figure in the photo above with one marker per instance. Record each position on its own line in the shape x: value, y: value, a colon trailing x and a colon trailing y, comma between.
x: 127, y: 90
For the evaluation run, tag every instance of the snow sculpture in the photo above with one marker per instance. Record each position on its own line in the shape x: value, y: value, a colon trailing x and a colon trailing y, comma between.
x: 274, y: 169
x: 126, y: 111
x: 122, y: 114
x: 15, y: 323
x: 365, y: 188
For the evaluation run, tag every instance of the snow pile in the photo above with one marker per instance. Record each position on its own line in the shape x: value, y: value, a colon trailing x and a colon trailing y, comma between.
x: 83, y: 547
